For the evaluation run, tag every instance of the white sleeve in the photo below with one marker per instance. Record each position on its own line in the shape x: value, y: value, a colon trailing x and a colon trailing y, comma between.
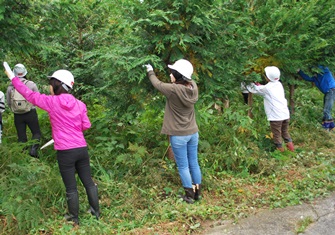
x: 258, y: 90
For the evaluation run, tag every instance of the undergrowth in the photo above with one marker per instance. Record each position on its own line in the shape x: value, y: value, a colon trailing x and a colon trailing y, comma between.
x: 139, y: 187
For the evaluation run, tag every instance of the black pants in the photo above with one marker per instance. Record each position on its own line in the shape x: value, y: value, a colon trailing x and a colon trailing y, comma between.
x: 245, y: 97
x: 0, y: 126
x: 29, y: 119
x: 70, y: 161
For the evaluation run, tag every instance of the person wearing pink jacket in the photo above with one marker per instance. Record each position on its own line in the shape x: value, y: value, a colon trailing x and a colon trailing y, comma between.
x: 68, y: 118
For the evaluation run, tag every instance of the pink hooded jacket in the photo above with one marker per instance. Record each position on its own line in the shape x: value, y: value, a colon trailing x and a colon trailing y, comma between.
x: 68, y: 116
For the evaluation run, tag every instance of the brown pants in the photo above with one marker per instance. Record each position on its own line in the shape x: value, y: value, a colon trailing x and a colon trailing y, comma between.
x: 280, y: 129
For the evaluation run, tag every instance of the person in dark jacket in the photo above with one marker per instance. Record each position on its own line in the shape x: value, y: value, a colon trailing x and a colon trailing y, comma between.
x: 180, y: 123
x: 325, y: 82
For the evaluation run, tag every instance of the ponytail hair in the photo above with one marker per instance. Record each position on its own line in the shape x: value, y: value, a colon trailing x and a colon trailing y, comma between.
x: 179, y: 78
x: 58, y: 86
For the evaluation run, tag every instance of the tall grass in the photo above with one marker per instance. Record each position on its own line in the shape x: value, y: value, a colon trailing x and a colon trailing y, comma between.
x: 139, y: 186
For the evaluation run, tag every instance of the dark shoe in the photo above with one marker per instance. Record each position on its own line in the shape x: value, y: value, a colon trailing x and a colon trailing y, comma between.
x: 189, y: 195
x: 93, y: 199
x: 328, y: 125
x: 73, y: 207
x: 69, y: 217
x: 197, y: 193
x: 34, y: 150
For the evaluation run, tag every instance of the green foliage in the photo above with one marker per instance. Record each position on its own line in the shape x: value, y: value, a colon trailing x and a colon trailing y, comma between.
x: 303, y: 224
x: 139, y: 186
x: 105, y: 44
x: 29, y: 187
x: 134, y: 159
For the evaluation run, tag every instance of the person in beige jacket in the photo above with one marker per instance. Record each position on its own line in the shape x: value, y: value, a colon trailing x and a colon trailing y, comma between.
x: 180, y: 124
x: 26, y: 118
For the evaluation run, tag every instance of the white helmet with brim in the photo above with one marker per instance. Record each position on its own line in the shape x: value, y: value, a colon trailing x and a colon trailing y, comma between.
x: 64, y: 76
x: 272, y: 73
x: 184, y: 67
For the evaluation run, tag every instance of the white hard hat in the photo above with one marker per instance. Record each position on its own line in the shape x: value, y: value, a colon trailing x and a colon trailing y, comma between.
x: 63, y: 76
x: 19, y: 70
x: 184, y: 67
x: 272, y: 73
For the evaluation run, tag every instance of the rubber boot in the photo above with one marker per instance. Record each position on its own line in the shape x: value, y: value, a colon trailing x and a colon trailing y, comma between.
x: 34, y: 150
x: 290, y: 146
x: 197, y: 192
x: 189, y: 195
x: 93, y: 199
x: 73, y: 207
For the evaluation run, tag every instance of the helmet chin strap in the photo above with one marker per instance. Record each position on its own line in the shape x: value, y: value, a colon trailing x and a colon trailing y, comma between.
x: 65, y: 87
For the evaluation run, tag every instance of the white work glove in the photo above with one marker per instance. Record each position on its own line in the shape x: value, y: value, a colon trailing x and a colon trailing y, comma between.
x: 149, y: 67
x: 8, y: 71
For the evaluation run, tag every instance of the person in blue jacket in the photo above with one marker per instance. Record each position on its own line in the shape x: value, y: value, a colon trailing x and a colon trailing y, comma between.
x: 325, y: 82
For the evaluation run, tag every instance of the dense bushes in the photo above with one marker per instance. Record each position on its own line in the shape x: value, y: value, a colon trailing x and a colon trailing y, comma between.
x: 139, y: 185
x: 105, y: 45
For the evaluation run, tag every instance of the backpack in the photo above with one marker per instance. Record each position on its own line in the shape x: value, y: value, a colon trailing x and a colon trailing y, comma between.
x: 18, y: 103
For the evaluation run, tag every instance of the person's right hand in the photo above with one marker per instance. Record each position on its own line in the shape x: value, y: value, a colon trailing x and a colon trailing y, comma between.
x: 8, y: 71
x: 298, y: 70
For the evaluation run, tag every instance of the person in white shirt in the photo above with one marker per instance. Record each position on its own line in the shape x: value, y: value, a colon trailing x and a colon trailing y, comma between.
x: 276, y: 109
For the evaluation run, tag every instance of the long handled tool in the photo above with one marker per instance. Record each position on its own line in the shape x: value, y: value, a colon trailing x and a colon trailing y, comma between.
x: 48, y: 143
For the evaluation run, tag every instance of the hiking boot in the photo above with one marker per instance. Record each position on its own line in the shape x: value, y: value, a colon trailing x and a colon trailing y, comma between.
x: 34, y: 150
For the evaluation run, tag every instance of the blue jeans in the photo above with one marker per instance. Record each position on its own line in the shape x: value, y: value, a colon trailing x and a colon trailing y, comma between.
x: 328, y: 105
x: 185, y: 150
